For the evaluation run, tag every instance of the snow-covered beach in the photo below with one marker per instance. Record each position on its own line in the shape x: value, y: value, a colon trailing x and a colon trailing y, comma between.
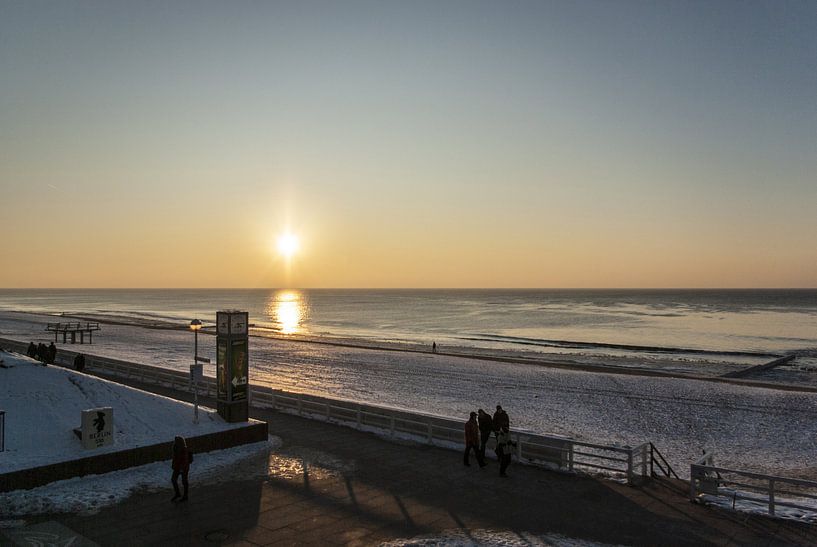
x: 760, y: 429
x: 43, y: 405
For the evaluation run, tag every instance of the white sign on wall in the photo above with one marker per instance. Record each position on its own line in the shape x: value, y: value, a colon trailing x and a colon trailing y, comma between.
x: 97, y: 427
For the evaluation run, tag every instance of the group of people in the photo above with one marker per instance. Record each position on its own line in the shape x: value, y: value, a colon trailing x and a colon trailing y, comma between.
x: 44, y: 354
x: 478, y: 430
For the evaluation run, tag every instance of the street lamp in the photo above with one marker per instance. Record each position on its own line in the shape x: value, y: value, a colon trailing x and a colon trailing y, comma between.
x: 195, y: 368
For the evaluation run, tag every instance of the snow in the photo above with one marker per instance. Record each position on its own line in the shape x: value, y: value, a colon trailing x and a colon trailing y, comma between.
x: 760, y: 506
x: 756, y: 429
x: 490, y: 538
x: 43, y: 405
x: 88, y: 494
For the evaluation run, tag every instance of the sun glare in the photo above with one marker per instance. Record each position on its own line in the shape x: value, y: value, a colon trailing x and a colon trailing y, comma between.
x: 287, y: 245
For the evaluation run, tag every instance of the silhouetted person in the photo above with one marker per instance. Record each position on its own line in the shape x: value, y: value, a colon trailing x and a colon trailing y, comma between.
x: 52, y: 354
x: 42, y: 353
x: 79, y: 362
x: 504, y: 449
x: 32, y: 350
x: 433, y: 347
x: 472, y: 440
x: 182, y: 458
x: 486, y: 427
x: 501, y: 419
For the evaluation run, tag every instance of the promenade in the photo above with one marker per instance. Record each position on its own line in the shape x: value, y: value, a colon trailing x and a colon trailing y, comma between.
x: 331, y: 485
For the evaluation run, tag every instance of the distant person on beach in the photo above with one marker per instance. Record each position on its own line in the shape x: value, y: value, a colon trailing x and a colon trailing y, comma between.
x: 486, y: 427
x: 501, y: 419
x: 433, y: 347
x: 32, y: 350
x: 182, y: 458
x: 79, y: 362
x: 42, y: 352
x: 472, y: 441
x: 52, y: 354
x: 504, y: 449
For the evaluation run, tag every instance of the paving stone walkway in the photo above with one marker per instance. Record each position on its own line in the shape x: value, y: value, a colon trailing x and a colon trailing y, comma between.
x: 331, y: 485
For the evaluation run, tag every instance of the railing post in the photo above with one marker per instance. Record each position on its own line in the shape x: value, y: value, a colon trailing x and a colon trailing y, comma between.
x: 630, y: 466
x: 518, y: 447
x: 644, y: 461
x: 771, y: 497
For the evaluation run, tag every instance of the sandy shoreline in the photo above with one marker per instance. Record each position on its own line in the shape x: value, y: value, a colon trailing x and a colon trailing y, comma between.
x: 651, y: 368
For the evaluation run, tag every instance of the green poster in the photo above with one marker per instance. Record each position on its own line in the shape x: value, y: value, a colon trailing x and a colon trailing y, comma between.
x: 221, y: 369
x: 239, y: 377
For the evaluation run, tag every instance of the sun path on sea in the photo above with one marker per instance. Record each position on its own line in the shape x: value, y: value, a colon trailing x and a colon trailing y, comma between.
x: 330, y: 485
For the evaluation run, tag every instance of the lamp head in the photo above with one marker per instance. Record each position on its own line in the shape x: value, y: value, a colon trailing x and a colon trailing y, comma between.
x: 195, y: 324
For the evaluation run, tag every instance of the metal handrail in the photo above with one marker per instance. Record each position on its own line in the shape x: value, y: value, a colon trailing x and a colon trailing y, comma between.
x: 533, y: 449
x: 669, y: 471
x: 706, y: 478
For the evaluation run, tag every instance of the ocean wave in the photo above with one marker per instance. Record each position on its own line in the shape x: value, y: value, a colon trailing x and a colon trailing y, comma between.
x: 598, y: 345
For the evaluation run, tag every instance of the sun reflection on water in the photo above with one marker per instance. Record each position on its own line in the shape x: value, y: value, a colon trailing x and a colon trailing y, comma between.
x: 286, y: 308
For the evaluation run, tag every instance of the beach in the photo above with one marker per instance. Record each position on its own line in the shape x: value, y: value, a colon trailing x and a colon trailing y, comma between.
x: 754, y: 428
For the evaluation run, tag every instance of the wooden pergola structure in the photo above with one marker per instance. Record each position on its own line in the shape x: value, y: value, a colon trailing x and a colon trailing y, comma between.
x: 73, y: 328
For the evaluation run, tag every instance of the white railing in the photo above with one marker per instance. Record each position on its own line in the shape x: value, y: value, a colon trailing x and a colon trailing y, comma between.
x: 553, y: 452
x: 762, y: 490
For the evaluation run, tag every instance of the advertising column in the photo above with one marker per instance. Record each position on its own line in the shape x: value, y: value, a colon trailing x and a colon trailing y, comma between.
x: 232, y: 365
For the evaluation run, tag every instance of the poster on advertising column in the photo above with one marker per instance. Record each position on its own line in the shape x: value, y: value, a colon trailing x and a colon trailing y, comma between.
x: 239, y: 370
x: 221, y: 370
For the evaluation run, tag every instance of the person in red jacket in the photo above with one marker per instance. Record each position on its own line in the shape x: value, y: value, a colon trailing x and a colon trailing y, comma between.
x: 472, y: 440
x: 182, y: 458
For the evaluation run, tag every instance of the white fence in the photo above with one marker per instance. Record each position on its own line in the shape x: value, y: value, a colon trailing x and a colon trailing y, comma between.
x: 759, y: 490
x: 554, y: 452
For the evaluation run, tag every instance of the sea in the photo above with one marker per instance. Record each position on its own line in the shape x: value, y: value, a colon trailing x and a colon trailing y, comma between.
x: 620, y: 323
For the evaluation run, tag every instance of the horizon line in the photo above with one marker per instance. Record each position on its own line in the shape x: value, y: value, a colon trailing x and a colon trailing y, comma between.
x: 409, y: 288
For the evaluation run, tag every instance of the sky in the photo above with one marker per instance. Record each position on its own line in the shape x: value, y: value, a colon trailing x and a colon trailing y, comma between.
x: 408, y: 144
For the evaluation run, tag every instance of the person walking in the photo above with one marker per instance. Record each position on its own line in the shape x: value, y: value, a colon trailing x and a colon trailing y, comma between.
x: 182, y: 458
x: 486, y: 427
x: 32, y: 350
x: 504, y: 449
x: 501, y: 419
x: 472, y: 440
x: 52, y: 353
x: 79, y: 362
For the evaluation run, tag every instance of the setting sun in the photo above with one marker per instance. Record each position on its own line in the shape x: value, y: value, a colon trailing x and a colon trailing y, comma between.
x: 288, y: 245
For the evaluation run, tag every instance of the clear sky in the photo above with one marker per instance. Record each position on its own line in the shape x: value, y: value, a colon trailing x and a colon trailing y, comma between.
x: 408, y: 144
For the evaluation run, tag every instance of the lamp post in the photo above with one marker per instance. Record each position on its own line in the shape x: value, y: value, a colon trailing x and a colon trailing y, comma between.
x: 195, y: 326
